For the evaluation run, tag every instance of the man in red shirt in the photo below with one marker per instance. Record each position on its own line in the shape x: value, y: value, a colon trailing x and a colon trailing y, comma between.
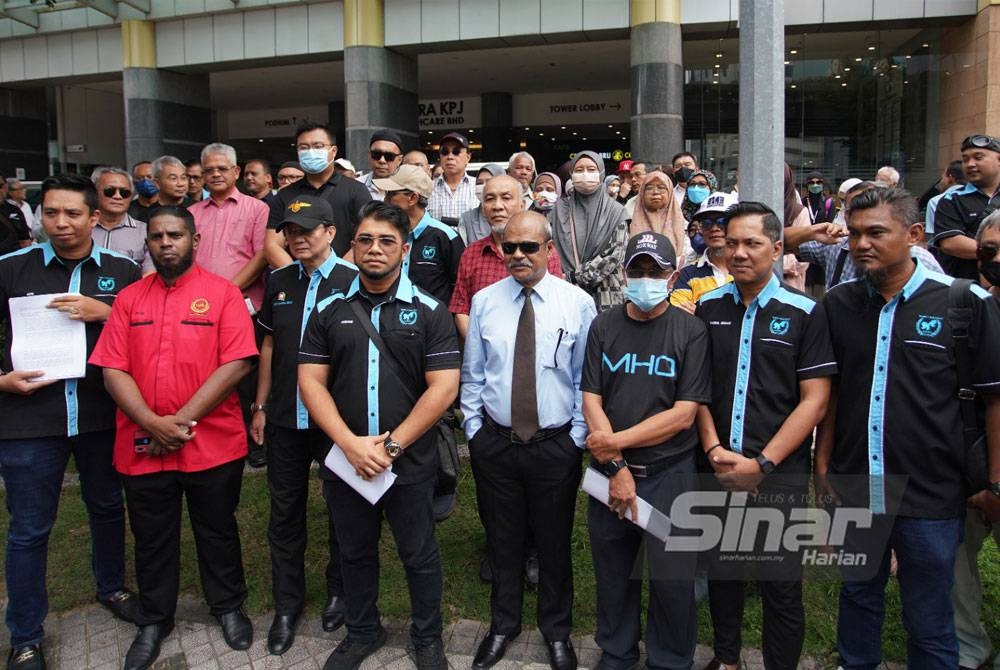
x: 482, y: 262
x: 173, y: 349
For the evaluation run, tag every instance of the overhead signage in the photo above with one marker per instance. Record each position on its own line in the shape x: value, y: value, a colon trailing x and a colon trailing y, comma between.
x: 259, y: 123
x: 553, y: 109
x: 450, y: 113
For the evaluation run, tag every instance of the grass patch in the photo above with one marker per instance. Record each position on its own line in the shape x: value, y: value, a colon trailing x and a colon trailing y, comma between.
x: 462, y: 546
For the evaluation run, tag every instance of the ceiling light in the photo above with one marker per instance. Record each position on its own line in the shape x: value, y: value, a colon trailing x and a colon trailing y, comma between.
x: 718, y: 55
x: 793, y: 51
x: 717, y: 66
x: 871, y: 48
x: 857, y: 60
x: 925, y: 45
x: 836, y: 76
x: 794, y: 86
x: 787, y: 62
x: 574, y: 133
x: 844, y: 84
x: 715, y: 81
x: 610, y: 126
x: 909, y: 57
x: 847, y: 69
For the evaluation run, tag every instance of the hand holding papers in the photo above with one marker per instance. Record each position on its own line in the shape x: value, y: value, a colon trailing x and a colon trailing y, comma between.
x: 370, y: 489
x: 649, y: 519
x: 46, y: 339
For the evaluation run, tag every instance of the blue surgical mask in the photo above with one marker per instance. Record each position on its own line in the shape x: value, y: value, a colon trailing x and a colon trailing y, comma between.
x: 314, y: 161
x: 815, y: 189
x: 698, y: 243
x: 146, y: 188
x: 697, y: 194
x: 646, y: 293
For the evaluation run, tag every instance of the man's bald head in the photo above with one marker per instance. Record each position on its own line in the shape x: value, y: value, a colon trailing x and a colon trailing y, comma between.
x: 530, y: 224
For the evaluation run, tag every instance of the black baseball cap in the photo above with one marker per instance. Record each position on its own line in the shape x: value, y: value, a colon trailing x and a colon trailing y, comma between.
x: 457, y: 137
x: 307, y: 211
x: 654, y: 245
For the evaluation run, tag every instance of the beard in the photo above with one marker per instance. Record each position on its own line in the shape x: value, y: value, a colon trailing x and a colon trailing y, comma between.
x: 498, y: 229
x: 379, y: 274
x: 175, y: 270
x: 874, y: 277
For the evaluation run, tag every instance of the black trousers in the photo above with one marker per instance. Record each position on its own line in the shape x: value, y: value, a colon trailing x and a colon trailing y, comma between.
x: 290, y: 453
x: 409, y: 511
x: 784, y: 616
x: 537, y: 482
x: 154, y: 511
x: 623, y: 553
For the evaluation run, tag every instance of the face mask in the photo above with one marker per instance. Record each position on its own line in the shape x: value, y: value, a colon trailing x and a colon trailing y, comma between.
x: 815, y: 189
x: 613, y: 191
x: 683, y: 175
x: 698, y: 243
x: 646, y: 293
x: 314, y: 161
x: 586, y: 182
x: 991, y: 271
x: 546, y: 199
x: 146, y: 188
x: 479, y: 191
x: 697, y: 194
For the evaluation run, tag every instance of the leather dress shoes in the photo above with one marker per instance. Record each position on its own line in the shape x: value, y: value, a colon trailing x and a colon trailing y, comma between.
x: 123, y: 604
x: 333, y: 613
x: 282, y: 633
x: 145, y: 648
x: 236, y: 629
x: 561, y: 655
x: 26, y: 657
x: 492, y: 649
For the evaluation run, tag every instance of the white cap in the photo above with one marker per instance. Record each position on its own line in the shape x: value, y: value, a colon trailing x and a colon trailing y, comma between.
x: 346, y: 164
x: 847, y: 185
x: 717, y: 202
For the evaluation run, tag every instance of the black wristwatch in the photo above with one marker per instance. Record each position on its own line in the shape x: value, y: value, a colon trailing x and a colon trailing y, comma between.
x: 392, y: 447
x: 612, y: 468
x: 994, y: 488
x: 766, y: 465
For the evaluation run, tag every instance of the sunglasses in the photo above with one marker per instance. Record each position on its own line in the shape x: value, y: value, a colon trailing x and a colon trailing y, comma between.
x: 986, y: 253
x: 712, y: 221
x: 384, y: 241
x: 387, y: 155
x: 110, y: 191
x: 455, y: 151
x: 981, y: 142
x: 527, y: 248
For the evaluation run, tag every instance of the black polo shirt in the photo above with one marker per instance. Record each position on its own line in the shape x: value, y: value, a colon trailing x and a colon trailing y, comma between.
x: 960, y: 212
x: 420, y: 332
x: 346, y: 196
x: 72, y: 406
x: 897, y: 406
x: 641, y: 368
x: 145, y: 212
x: 13, y: 229
x: 289, y: 301
x: 432, y: 262
x: 760, y: 354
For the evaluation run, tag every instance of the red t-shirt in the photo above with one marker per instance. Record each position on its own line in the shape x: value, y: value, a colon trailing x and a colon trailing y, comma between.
x: 170, y: 340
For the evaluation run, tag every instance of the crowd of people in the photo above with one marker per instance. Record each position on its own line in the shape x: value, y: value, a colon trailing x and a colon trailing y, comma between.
x: 661, y: 324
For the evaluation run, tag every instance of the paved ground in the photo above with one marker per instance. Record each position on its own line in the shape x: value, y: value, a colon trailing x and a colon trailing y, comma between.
x: 89, y: 638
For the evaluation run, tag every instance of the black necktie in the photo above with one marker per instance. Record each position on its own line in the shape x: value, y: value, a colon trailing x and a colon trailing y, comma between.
x: 523, y: 397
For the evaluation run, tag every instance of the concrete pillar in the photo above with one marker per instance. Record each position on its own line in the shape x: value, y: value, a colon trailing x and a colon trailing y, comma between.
x: 498, y: 127
x: 165, y: 112
x: 657, y: 80
x: 762, y: 102
x: 380, y: 85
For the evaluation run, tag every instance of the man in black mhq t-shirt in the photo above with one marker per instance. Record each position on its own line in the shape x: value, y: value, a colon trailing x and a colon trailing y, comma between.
x: 771, y: 368
x: 645, y: 372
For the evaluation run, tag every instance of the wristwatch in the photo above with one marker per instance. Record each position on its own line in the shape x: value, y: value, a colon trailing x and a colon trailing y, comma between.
x: 392, y: 447
x: 994, y: 488
x: 612, y: 468
x: 766, y: 466
x: 258, y: 407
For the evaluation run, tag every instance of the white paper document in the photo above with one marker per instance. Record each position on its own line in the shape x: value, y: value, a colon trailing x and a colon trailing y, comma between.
x: 370, y: 489
x: 650, y: 519
x: 46, y: 339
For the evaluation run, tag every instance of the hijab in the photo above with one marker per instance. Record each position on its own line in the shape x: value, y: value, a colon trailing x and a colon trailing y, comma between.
x: 688, y: 207
x: 667, y: 221
x: 793, y: 206
x: 554, y: 178
x: 595, y: 217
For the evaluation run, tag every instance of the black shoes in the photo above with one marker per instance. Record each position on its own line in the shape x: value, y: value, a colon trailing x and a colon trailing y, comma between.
x: 492, y: 649
x: 333, y: 613
x: 145, y: 647
x: 27, y: 657
x: 444, y: 506
x: 236, y: 629
x: 282, y: 633
x: 350, y: 654
x: 561, y: 655
x: 430, y: 656
x: 123, y: 604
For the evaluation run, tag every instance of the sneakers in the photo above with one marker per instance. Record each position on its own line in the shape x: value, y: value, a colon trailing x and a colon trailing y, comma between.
x: 430, y: 656
x: 28, y: 657
x: 350, y: 654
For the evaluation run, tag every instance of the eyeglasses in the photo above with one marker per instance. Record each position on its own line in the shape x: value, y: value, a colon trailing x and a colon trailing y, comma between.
x: 209, y: 171
x: 455, y: 151
x: 712, y: 221
x: 315, y: 145
x: 384, y: 241
x: 981, y: 142
x: 387, y: 155
x: 194, y: 177
x: 657, y: 188
x: 288, y: 178
x: 110, y: 191
x: 527, y: 248
x: 986, y: 252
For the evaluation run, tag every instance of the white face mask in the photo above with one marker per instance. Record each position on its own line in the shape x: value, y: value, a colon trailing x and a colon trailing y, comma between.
x: 549, y: 196
x: 479, y: 191
x: 586, y: 182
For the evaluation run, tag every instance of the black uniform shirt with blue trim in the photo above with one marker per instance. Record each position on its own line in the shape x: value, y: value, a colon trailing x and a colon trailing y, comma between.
x: 432, y: 263
x: 760, y: 353
x: 960, y: 212
x: 291, y: 298
x: 897, y: 407
x: 73, y: 406
x: 417, y: 329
